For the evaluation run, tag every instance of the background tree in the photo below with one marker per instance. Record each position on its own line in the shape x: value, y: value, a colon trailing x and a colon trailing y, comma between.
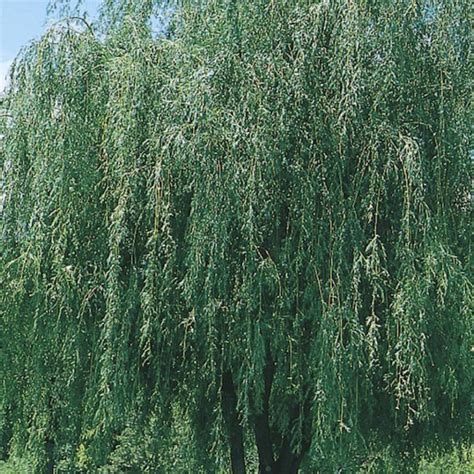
x: 245, y: 239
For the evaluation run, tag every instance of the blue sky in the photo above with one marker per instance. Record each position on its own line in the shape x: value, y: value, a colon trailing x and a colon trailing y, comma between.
x: 20, y: 22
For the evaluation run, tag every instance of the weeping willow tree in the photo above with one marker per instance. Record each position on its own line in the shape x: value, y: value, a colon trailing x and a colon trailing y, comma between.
x: 243, y: 242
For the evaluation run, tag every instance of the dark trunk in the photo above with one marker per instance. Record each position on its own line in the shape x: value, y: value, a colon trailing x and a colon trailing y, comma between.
x: 288, y: 462
x: 264, y: 444
x: 286, y: 459
x: 49, y: 456
x: 49, y: 442
x: 234, y: 428
x: 262, y: 426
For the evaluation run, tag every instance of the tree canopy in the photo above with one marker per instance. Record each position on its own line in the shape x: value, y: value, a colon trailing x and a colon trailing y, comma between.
x: 244, y: 241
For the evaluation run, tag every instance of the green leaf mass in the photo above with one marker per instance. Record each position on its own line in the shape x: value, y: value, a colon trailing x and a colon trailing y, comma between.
x: 245, y: 240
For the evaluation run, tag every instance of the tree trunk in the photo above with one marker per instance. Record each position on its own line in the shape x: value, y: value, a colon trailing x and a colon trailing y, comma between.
x: 288, y: 462
x: 49, y: 456
x: 234, y: 429
x: 262, y: 426
x: 264, y: 444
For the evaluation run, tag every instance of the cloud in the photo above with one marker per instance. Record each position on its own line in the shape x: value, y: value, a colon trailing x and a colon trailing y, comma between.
x: 4, y: 67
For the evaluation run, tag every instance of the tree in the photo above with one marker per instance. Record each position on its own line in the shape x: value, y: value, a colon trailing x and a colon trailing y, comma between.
x: 249, y: 235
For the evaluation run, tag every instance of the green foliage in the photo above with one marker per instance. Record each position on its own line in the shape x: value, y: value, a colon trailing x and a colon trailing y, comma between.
x: 275, y: 190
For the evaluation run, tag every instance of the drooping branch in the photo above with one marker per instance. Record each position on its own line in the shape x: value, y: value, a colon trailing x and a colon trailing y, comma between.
x: 86, y: 23
x: 76, y: 18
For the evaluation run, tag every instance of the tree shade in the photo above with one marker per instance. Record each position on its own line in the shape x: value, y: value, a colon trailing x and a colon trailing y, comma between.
x: 246, y: 242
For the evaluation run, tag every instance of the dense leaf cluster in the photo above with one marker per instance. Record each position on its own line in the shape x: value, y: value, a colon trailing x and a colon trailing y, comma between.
x: 249, y: 234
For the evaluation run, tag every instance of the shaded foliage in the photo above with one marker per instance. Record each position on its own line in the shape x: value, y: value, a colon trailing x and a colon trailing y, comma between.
x: 256, y: 225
